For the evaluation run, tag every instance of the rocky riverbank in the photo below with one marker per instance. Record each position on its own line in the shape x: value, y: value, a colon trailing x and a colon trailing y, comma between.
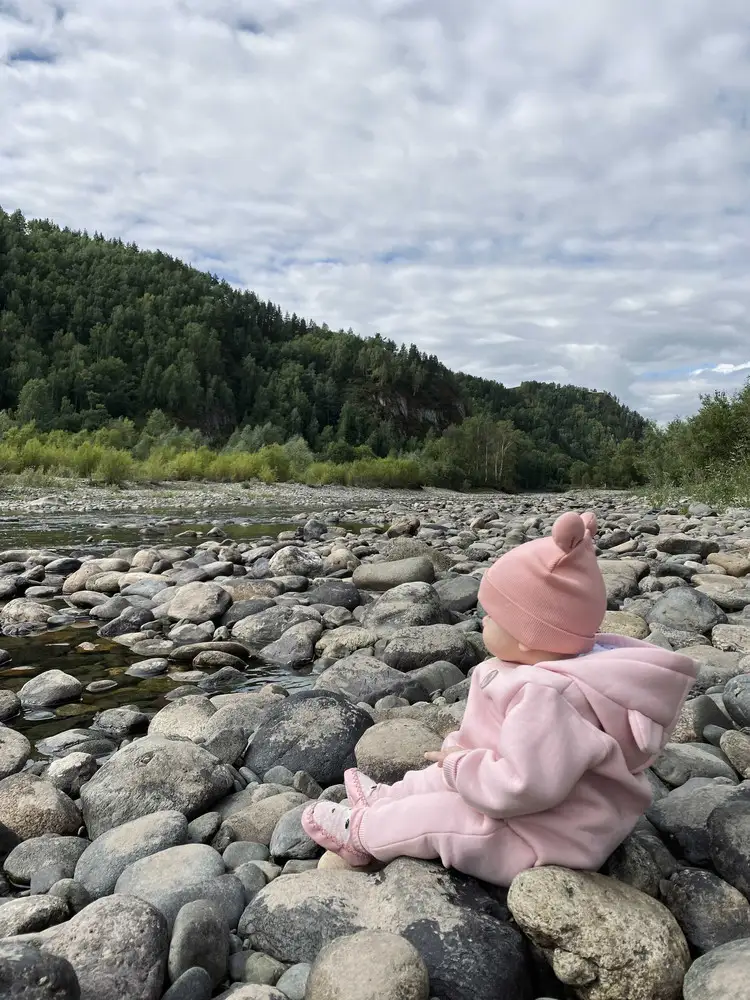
x: 151, y: 855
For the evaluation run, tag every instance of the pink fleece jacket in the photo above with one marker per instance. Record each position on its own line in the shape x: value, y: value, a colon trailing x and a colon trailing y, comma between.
x: 557, y: 750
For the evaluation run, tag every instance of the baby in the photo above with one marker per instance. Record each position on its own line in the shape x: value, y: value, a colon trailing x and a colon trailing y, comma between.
x: 547, y: 767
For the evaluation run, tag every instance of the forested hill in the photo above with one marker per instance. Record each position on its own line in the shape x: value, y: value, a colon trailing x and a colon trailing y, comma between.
x: 93, y: 330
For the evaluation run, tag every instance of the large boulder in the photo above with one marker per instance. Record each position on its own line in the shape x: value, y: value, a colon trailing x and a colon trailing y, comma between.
x: 600, y: 935
x: 102, y: 862
x: 150, y: 775
x: 736, y: 698
x: 721, y: 974
x: 409, y: 605
x: 294, y: 561
x: 24, y: 611
x: 309, y: 731
x: 259, y: 631
x: 458, y: 593
x: 32, y: 807
x: 40, y: 852
x: 687, y: 609
x: 27, y: 973
x: 678, y: 545
x: 729, y: 840
x: 470, y: 952
x: 383, y: 576
x: 170, y: 879
x: 411, y: 648
x: 15, y: 750
x: 362, y: 678
x: 370, y: 965
x: 52, y: 687
x: 31, y: 913
x: 199, y: 602
x: 710, y: 911
x: 391, y: 748
x: 117, y: 946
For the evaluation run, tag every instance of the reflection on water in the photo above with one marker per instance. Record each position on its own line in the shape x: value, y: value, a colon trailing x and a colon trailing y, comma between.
x: 57, y: 650
x: 74, y: 533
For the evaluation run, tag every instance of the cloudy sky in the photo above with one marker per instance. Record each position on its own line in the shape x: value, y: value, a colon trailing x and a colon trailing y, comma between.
x: 528, y: 188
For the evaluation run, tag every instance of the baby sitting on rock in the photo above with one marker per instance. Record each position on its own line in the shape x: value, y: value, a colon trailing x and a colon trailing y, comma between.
x: 547, y: 767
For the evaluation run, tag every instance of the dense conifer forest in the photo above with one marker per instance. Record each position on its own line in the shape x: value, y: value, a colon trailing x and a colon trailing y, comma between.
x: 105, y: 346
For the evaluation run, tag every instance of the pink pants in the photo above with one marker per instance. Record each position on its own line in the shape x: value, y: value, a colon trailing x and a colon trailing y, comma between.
x: 420, y: 817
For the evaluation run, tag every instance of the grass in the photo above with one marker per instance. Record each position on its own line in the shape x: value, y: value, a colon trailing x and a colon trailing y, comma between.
x: 727, y: 486
x: 38, y: 459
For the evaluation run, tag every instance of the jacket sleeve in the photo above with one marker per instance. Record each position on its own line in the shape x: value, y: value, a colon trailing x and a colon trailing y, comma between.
x: 451, y: 740
x: 544, y: 748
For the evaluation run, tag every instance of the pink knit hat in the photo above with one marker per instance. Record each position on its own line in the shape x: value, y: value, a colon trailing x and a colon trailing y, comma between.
x: 549, y: 594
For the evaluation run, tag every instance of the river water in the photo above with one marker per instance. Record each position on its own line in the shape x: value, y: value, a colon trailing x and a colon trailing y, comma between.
x: 77, y: 534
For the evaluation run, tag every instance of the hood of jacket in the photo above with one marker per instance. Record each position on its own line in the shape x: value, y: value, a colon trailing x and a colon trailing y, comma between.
x: 634, y: 689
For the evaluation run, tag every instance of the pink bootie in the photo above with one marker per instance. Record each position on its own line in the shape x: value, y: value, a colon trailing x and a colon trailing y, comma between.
x: 328, y: 824
x: 359, y: 788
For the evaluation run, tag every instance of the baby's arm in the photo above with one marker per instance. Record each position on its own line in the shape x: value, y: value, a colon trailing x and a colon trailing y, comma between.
x: 544, y: 748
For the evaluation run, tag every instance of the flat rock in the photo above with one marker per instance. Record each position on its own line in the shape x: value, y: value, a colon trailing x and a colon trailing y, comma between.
x: 678, y: 762
x: 389, y: 749
x: 294, y: 561
x: 733, y: 638
x: 682, y: 544
x: 469, y: 951
x: 103, y: 861
x: 150, y: 775
x: 600, y: 934
x: 370, y: 965
x: 130, y: 956
x: 309, y: 731
x: 259, y: 631
x: 715, y: 666
x: 23, y: 611
x: 720, y: 974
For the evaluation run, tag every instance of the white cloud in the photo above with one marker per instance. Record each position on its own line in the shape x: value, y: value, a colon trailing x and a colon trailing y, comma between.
x: 526, y: 193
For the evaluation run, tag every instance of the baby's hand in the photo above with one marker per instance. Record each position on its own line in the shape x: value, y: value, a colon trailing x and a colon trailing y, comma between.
x: 438, y: 756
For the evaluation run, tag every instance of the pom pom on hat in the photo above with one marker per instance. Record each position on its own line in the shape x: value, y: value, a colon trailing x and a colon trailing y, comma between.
x: 549, y: 594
